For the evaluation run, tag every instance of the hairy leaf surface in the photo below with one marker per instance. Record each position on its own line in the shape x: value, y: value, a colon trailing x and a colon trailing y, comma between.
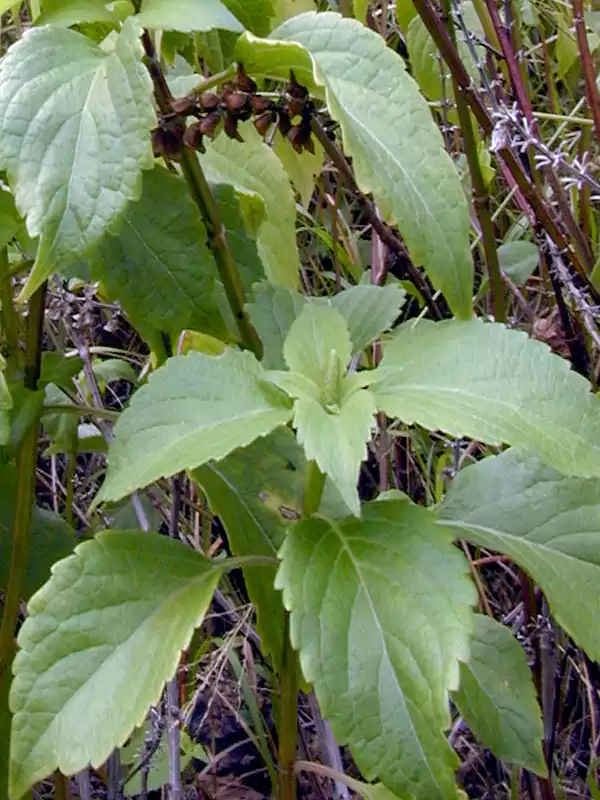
x: 74, y: 137
x: 159, y: 265
x: 497, y: 697
x: 194, y: 409
x: 381, y: 615
x: 79, y: 657
x: 253, y: 167
x: 188, y: 16
x: 548, y: 524
x: 493, y: 384
x: 397, y: 151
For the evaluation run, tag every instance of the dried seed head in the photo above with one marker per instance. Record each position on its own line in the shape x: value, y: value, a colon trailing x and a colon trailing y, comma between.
x: 209, y: 101
x: 296, y: 106
x: 167, y: 139
x: 208, y: 125
x: 239, y: 104
x: 261, y: 104
x: 184, y: 105
x: 296, y: 137
x: 244, y: 81
x: 193, y: 137
x: 263, y: 123
x: 285, y: 124
x: 295, y: 89
x: 230, y: 124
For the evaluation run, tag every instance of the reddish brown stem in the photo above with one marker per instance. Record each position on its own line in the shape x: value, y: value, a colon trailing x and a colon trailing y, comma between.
x: 591, y: 89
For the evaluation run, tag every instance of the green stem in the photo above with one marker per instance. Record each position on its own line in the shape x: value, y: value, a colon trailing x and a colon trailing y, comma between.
x: 202, y: 196
x: 289, y: 676
x: 288, y: 725
x: 313, y: 489
x: 9, y: 321
x: 481, y: 198
x: 81, y: 411
x: 25, y: 490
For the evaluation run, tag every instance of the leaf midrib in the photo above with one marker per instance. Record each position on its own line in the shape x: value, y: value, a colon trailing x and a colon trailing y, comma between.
x: 345, y: 548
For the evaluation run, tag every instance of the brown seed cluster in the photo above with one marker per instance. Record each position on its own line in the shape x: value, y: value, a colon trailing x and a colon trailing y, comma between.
x: 236, y: 102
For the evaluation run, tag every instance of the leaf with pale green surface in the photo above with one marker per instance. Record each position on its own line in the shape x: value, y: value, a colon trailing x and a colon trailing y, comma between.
x: 284, y: 9
x: 519, y: 260
x: 159, y: 265
x: 397, y: 151
x: 240, y: 234
x: 381, y: 614
x: 548, y: 524
x: 497, y: 697
x: 368, y: 311
x: 74, y: 12
x: 493, y: 384
x: 74, y: 137
x: 117, y: 653
x: 303, y: 168
x: 10, y: 221
x: 253, y: 167
x: 255, y: 15
x: 272, y: 312
x: 194, y: 409
x: 188, y: 16
x: 337, y: 440
x: 318, y: 345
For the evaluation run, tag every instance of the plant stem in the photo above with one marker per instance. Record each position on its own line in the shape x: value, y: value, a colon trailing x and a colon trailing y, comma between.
x: 25, y: 490
x: 313, y: 489
x: 481, y: 198
x: 589, y: 72
x: 288, y: 725
x: 385, y: 233
x: 228, y: 271
x: 289, y: 676
x: 202, y: 196
x: 81, y: 411
x: 9, y: 320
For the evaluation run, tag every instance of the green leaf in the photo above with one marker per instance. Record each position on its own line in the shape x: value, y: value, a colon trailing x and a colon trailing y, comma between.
x: 284, y: 9
x: 75, y: 12
x: 397, y: 151
x: 255, y: 492
x: 337, y: 441
x: 255, y: 15
x: 253, y: 167
x: 240, y: 234
x: 368, y: 311
x: 381, y: 615
x: 74, y: 124
x: 492, y: 384
x: 51, y: 537
x: 548, y: 524
x: 117, y: 653
x: 159, y: 265
x: 194, y: 409
x: 302, y: 168
x: 497, y: 697
x: 188, y: 16
x: 519, y: 260
x: 273, y: 312
x: 10, y: 221
x: 318, y: 345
